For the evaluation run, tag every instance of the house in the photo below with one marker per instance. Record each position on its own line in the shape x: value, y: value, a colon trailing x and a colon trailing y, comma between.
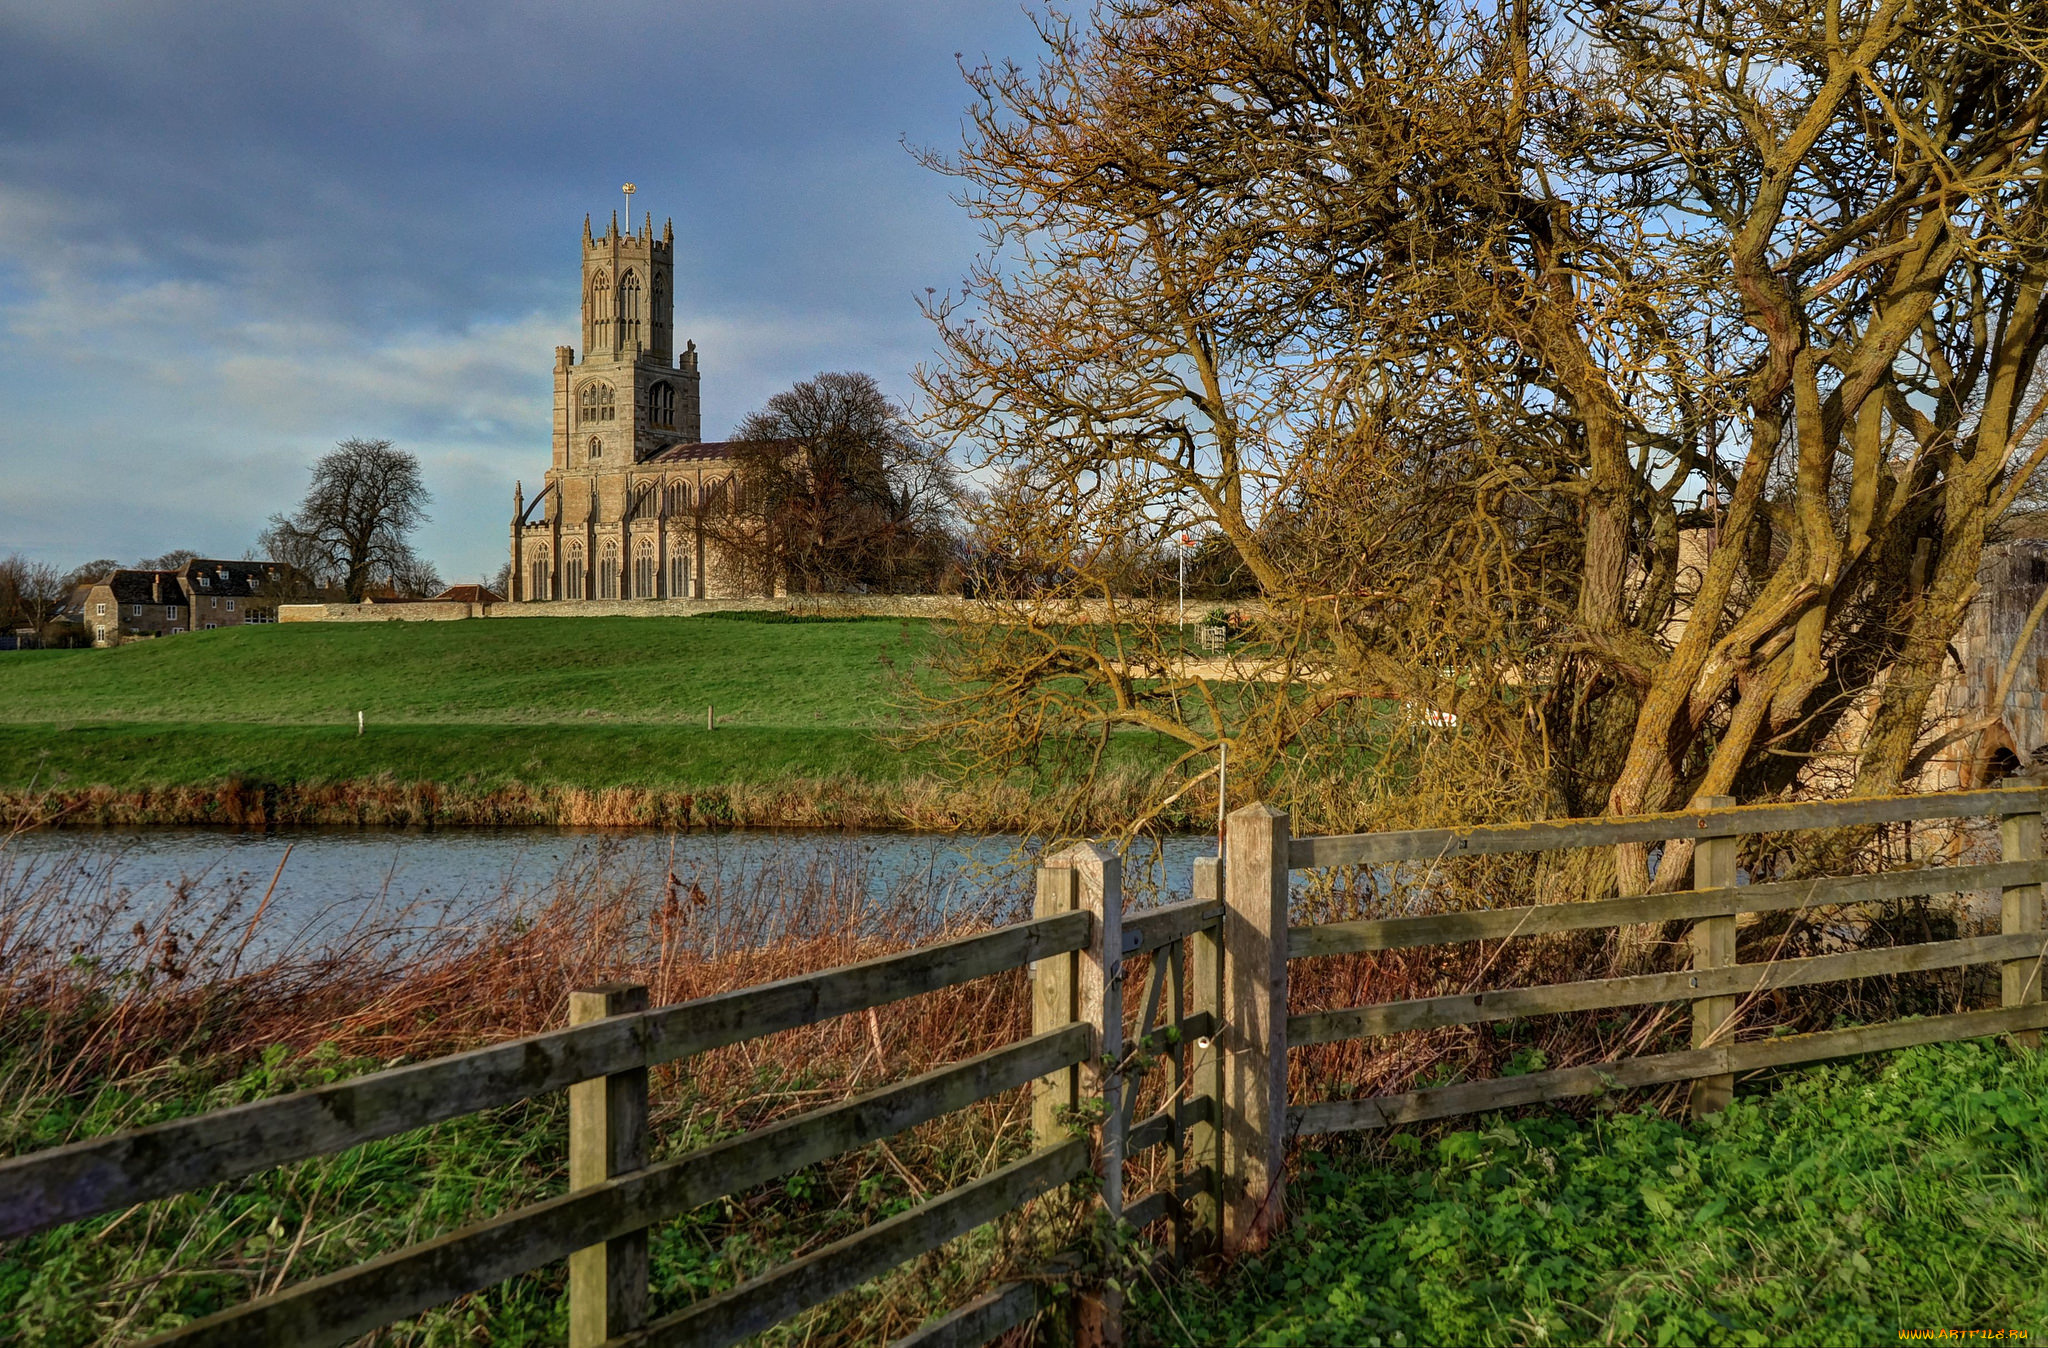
x: 204, y: 593
x: 469, y: 594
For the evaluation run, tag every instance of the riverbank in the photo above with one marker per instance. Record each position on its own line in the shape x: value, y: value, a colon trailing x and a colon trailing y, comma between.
x: 730, y: 720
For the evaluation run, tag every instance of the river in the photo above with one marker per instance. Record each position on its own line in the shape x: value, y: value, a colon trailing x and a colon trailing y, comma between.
x: 333, y: 878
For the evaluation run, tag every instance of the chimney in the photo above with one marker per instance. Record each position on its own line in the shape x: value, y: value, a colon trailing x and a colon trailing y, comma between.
x: 156, y: 587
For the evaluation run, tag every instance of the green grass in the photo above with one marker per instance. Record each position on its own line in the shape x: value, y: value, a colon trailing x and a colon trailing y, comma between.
x: 1843, y: 1206
x: 583, y: 702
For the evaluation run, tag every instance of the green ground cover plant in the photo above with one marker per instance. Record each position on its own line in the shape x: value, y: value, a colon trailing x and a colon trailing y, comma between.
x: 1840, y: 1205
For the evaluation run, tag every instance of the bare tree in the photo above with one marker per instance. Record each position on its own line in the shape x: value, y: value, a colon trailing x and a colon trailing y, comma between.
x: 1635, y: 384
x: 170, y: 561
x: 30, y: 591
x: 835, y: 493
x: 352, y: 527
x: 90, y: 573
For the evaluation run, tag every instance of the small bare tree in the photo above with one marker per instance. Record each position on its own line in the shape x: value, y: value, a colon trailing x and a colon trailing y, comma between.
x: 352, y: 528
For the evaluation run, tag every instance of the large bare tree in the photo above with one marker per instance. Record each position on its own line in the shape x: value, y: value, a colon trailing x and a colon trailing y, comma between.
x: 835, y: 493
x: 1637, y: 383
x: 353, y: 527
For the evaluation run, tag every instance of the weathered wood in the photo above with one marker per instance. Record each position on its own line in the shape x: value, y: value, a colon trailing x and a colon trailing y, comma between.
x: 993, y: 1313
x: 607, y: 1138
x: 1101, y: 1002
x: 1476, y: 1008
x: 1205, y: 996
x: 1155, y: 1129
x: 773, y: 1297
x: 70, y: 1183
x: 688, y: 1028
x: 1161, y: 1203
x: 1713, y: 947
x: 1386, y: 1111
x: 2019, y: 912
x: 1370, y: 849
x: 1155, y: 927
x: 1055, y: 992
x: 1399, y: 933
x: 1254, y: 1038
x: 347, y: 1304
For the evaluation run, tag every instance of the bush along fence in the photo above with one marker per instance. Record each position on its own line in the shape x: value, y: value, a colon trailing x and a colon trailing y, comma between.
x: 1183, y: 1007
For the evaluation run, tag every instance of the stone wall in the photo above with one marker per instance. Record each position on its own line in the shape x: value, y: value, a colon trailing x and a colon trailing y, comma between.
x: 824, y: 605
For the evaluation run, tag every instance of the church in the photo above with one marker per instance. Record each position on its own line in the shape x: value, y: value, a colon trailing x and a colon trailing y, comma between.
x: 620, y: 515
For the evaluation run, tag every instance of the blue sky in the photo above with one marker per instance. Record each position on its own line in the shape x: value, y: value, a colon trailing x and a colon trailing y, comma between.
x: 232, y: 233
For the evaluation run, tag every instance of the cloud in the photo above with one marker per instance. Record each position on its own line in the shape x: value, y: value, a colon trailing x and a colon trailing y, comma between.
x: 232, y: 234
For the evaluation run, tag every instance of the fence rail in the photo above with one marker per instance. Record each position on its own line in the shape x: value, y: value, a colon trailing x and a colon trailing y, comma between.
x: 1204, y: 1034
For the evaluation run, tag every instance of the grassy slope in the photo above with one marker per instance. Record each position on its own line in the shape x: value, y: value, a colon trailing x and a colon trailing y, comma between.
x: 584, y: 702
x: 1845, y: 1206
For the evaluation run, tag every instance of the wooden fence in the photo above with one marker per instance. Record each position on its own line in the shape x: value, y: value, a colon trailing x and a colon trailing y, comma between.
x: 1207, y: 1045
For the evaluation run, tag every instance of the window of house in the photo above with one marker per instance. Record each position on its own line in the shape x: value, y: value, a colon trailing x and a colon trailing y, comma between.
x: 231, y: 606
x: 211, y: 626
x: 214, y: 602
x: 135, y: 610
x: 171, y: 612
x: 99, y: 630
x: 99, y: 610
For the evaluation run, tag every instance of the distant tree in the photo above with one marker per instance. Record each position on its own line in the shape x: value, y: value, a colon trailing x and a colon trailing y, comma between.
x: 836, y: 493
x: 30, y: 591
x: 170, y: 561
x: 91, y: 573
x: 352, y: 528
x: 501, y: 581
x: 416, y: 579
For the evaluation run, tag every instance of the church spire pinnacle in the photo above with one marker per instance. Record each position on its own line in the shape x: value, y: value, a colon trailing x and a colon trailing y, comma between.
x: 614, y: 233
x: 668, y: 230
x: 586, y: 230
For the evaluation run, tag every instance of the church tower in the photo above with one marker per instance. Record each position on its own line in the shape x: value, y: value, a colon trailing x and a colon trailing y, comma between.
x: 630, y: 398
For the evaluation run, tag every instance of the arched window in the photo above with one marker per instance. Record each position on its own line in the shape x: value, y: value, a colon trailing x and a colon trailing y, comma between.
x: 572, y: 572
x: 596, y: 448
x: 629, y: 309
x: 599, y: 402
x: 678, y: 499
x: 716, y: 494
x: 643, y: 570
x: 661, y: 405
x: 659, y: 316
x: 608, y: 572
x: 678, y: 576
x: 540, y: 577
x: 600, y: 312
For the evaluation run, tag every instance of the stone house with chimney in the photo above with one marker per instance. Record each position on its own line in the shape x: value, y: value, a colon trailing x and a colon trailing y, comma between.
x: 204, y: 593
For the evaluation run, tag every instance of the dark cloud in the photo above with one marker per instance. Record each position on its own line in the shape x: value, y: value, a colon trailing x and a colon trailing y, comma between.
x: 233, y: 233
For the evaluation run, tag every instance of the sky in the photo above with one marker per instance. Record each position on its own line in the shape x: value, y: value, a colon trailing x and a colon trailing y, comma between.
x: 234, y: 232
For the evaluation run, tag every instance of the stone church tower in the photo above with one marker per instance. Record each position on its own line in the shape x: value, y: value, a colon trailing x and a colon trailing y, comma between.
x: 621, y: 513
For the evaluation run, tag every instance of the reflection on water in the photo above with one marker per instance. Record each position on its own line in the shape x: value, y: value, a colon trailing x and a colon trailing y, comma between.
x: 334, y: 879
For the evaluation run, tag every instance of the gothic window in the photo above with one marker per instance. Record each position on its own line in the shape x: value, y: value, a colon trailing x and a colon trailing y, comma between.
x: 572, y: 572
x: 661, y: 405
x: 678, y: 577
x: 716, y: 494
x: 629, y: 309
x: 678, y: 499
x: 540, y: 581
x: 643, y: 571
x: 600, y: 312
x: 659, y: 318
x: 599, y: 402
x: 608, y: 572
x: 596, y: 448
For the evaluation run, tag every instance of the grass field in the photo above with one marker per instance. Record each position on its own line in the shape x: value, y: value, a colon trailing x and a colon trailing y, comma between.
x: 1847, y: 1205
x: 506, y: 722
x: 582, y: 702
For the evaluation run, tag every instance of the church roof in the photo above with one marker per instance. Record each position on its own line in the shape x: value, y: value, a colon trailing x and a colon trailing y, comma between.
x: 715, y: 449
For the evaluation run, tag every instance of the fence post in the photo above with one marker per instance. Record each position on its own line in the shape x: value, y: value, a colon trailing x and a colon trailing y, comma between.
x: 1254, y: 1030
x: 2019, y: 910
x: 607, y: 1137
x: 1054, y: 988
x: 1713, y: 947
x: 1100, y: 999
x: 1205, y: 1140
